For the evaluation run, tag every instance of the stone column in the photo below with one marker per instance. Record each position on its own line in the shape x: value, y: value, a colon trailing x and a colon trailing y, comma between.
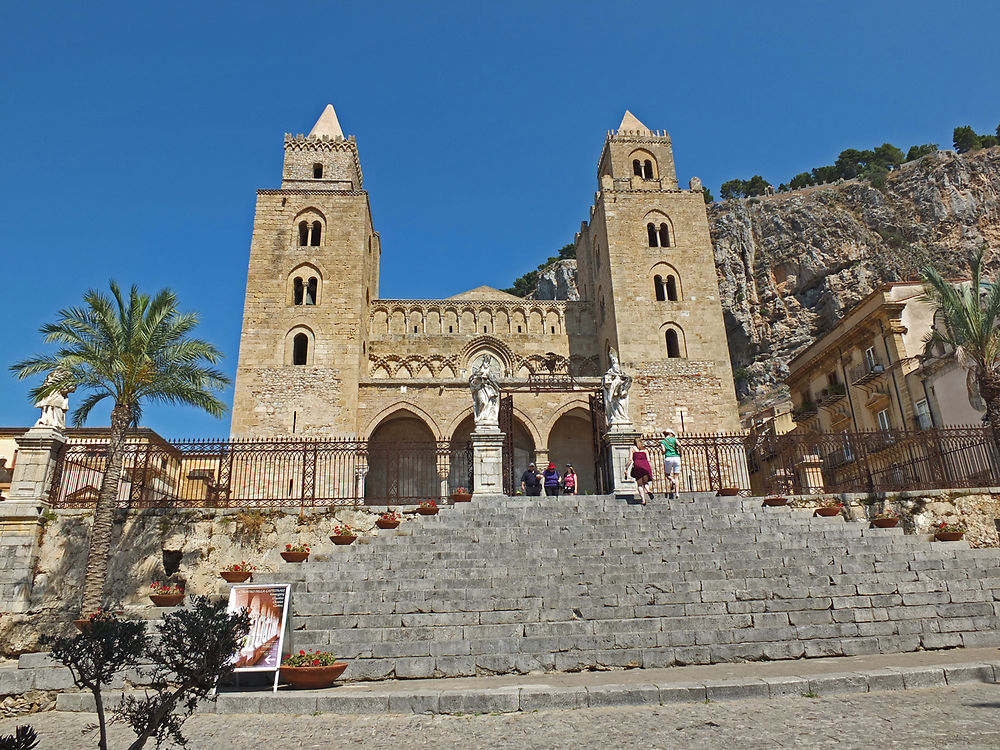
x: 618, y: 440
x: 22, y: 514
x: 487, y: 461
x: 360, y: 472
x: 810, y: 469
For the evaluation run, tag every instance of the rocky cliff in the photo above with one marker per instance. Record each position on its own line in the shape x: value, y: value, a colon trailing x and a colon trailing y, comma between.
x: 790, y: 265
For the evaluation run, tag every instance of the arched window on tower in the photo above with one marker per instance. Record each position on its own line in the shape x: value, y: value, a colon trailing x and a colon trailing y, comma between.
x: 636, y: 168
x: 673, y: 344
x: 311, y: 289
x: 317, y: 171
x: 652, y: 235
x: 659, y: 289
x: 297, y: 290
x: 300, y: 349
x: 664, y: 235
x: 303, y: 233
x: 316, y: 235
x: 672, y: 289
x: 647, y: 169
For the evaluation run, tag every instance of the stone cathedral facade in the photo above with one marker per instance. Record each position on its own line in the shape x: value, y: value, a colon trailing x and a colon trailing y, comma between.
x: 322, y: 355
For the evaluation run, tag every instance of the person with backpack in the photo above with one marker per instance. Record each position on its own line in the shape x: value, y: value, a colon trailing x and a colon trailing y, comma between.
x: 671, y: 461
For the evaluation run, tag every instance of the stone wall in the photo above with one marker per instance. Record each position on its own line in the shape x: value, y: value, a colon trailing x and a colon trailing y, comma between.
x: 188, y: 546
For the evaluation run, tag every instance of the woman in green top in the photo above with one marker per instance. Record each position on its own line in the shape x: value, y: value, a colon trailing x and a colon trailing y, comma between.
x: 671, y: 461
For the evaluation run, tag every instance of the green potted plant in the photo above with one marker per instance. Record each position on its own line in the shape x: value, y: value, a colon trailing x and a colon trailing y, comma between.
x: 461, y: 495
x: 948, y: 532
x: 830, y: 508
x: 887, y: 519
x: 311, y: 670
x: 237, y: 572
x: 343, y: 534
x: 427, y: 508
x: 388, y: 520
x: 166, y: 594
x: 295, y: 553
x: 775, y: 501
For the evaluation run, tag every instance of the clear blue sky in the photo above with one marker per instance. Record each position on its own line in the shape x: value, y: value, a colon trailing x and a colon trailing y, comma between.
x: 133, y: 135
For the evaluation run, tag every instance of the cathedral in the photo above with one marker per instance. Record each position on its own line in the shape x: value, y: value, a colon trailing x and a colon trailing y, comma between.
x: 323, y: 356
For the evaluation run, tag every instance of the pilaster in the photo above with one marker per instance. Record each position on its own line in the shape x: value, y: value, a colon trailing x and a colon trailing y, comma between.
x: 487, y: 461
x: 619, y: 439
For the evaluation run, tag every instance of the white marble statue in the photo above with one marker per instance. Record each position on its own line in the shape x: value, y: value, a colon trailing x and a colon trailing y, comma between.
x: 616, y: 384
x: 55, y: 405
x: 485, y: 389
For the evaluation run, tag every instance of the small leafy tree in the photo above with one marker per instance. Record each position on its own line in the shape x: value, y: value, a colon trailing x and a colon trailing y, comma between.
x: 970, y: 319
x: 707, y: 194
x: 756, y: 185
x: 131, y: 350
x: 964, y: 139
x: 106, y: 646
x: 801, y: 180
x: 732, y: 189
x: 917, y: 152
x: 24, y: 738
x: 889, y: 156
x: 194, y: 651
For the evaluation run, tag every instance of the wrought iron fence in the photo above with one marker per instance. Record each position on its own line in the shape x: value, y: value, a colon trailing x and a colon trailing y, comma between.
x: 319, y: 473
x: 868, y: 461
x: 265, y: 473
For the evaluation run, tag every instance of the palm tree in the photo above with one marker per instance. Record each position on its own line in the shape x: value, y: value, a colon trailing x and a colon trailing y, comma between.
x: 970, y: 318
x: 131, y: 351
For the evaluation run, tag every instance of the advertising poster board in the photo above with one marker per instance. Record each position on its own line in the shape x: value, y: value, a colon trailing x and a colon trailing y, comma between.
x: 266, y: 644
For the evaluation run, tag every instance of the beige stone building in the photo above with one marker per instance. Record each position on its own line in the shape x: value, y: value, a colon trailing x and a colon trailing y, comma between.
x: 322, y: 355
x: 869, y: 372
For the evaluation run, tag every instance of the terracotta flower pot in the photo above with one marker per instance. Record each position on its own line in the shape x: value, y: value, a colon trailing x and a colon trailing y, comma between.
x: 312, y: 678
x: 235, y: 576
x: 383, y: 523
x: 949, y: 536
x: 461, y: 497
x: 828, y: 511
x: 83, y: 625
x: 729, y: 492
x: 166, y: 600
x: 775, y: 502
x: 294, y: 556
x: 425, y: 511
x: 884, y: 523
x: 342, y: 539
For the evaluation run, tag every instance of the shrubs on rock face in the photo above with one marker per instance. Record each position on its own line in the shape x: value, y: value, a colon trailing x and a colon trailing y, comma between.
x: 192, y: 652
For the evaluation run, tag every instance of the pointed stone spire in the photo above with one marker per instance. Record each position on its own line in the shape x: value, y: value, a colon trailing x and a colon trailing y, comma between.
x: 328, y: 125
x: 630, y: 123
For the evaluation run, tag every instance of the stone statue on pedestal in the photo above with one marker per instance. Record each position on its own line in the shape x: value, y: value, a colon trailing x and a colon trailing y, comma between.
x: 55, y: 405
x: 616, y: 384
x: 485, y: 387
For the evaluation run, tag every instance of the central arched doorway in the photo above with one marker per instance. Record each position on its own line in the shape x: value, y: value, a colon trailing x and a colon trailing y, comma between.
x: 402, y: 460
x: 571, y: 442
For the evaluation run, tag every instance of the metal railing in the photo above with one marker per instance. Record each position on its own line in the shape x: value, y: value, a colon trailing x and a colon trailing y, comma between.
x: 264, y: 473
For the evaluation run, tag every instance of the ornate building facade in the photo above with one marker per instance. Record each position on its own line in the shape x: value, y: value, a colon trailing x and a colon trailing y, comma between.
x: 322, y: 355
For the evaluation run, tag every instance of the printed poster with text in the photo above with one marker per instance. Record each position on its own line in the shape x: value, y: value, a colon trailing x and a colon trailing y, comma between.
x: 262, y: 648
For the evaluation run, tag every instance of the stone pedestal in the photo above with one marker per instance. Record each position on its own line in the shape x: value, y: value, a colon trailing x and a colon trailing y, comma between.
x: 36, y: 460
x: 22, y: 514
x: 619, y: 439
x: 810, y: 469
x: 487, y: 462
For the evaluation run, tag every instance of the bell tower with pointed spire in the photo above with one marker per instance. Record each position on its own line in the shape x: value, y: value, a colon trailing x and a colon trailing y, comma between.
x: 314, y: 269
x: 646, y: 263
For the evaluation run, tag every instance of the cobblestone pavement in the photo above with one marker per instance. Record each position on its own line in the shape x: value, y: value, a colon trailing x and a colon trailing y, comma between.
x: 965, y: 716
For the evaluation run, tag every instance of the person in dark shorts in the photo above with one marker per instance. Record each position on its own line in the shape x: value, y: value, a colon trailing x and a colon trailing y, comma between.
x: 569, y: 483
x: 551, y: 479
x: 639, y: 469
x: 531, y: 481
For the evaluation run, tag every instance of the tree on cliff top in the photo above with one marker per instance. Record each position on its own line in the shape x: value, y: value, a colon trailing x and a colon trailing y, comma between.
x: 525, y: 285
x: 970, y: 324
x: 130, y: 350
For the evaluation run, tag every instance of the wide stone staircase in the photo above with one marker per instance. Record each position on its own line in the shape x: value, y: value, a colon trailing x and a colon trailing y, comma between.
x: 580, y: 583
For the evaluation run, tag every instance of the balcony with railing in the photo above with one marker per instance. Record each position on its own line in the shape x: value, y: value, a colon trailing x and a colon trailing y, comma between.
x: 867, y: 371
x: 804, y: 412
x: 832, y: 394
